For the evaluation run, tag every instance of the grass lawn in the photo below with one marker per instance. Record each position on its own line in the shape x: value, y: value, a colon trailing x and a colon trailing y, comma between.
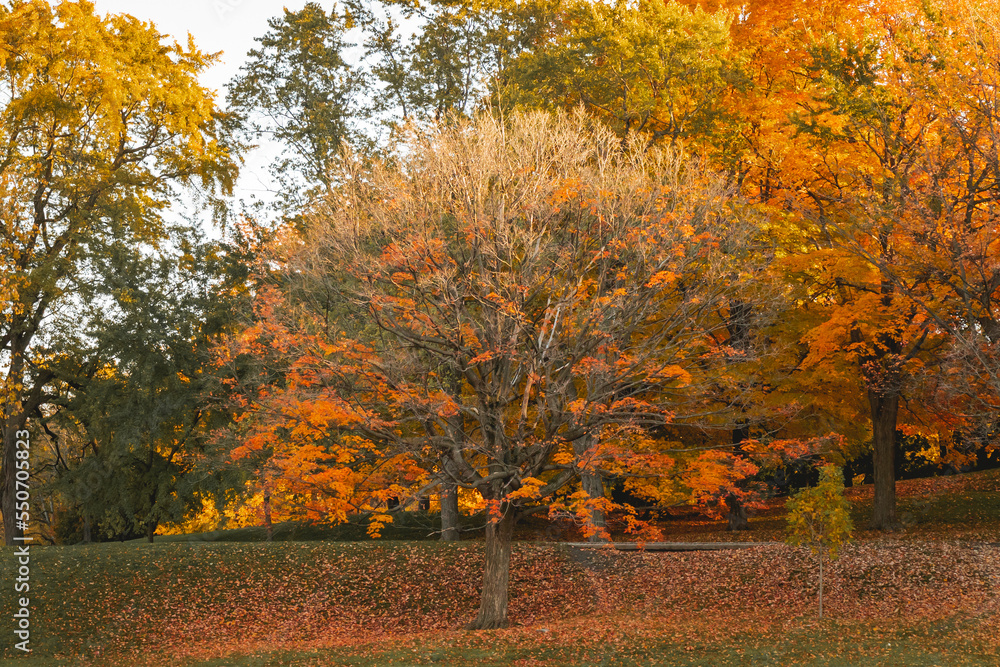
x: 929, y: 595
x: 621, y: 643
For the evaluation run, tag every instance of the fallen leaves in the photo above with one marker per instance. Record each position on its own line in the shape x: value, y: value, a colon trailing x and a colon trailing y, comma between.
x: 130, y: 604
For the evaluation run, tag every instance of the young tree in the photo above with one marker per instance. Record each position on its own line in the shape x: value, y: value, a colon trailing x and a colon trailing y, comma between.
x: 524, y: 287
x: 100, y: 121
x: 820, y: 518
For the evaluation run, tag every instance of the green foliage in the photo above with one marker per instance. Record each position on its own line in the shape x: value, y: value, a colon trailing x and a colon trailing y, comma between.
x: 455, y: 60
x: 299, y: 89
x: 819, y: 517
x: 320, y: 79
x: 439, y: 71
x: 652, y: 67
x: 141, y: 404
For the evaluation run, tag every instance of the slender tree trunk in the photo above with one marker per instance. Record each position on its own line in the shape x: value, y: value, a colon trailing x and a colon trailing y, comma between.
x: 150, y: 531
x: 449, y: 511
x: 737, y: 513
x: 496, y: 574
x: 267, y: 516
x: 884, y: 409
x: 736, y: 516
x: 86, y: 529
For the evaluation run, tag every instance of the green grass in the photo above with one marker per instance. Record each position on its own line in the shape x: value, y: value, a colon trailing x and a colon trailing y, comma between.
x: 831, y: 644
x: 954, y: 507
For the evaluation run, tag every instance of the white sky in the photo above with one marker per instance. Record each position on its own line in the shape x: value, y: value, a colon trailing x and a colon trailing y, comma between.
x: 229, y: 26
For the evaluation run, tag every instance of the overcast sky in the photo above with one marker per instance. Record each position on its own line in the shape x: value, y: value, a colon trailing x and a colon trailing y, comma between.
x: 229, y: 26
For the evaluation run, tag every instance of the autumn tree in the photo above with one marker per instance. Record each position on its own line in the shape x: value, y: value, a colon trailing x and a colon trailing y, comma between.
x: 100, y: 122
x: 947, y: 234
x: 829, y: 134
x: 890, y: 149
x: 671, y: 74
x: 531, y: 285
x: 300, y: 91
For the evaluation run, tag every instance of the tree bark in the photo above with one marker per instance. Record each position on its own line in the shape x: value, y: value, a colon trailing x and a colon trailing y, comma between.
x: 8, y: 486
x: 496, y: 574
x: 884, y: 409
x: 593, y: 486
x: 737, y: 514
x: 14, y: 418
x: 449, y: 511
x: 150, y: 531
x: 267, y: 516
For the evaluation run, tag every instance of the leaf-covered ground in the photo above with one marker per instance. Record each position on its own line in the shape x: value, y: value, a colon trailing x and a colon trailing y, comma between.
x: 927, y: 596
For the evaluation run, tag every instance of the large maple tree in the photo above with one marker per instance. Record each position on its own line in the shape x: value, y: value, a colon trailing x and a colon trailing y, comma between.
x: 830, y: 133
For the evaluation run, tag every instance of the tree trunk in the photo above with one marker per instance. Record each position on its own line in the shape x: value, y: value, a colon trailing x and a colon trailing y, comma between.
x: 86, y: 529
x: 593, y: 486
x: 267, y: 516
x: 8, y: 483
x: 496, y: 574
x: 884, y: 408
x: 150, y: 531
x: 449, y: 512
x: 737, y: 514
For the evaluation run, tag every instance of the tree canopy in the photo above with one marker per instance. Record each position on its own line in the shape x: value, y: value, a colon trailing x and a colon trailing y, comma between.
x: 100, y: 123
x: 557, y: 256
